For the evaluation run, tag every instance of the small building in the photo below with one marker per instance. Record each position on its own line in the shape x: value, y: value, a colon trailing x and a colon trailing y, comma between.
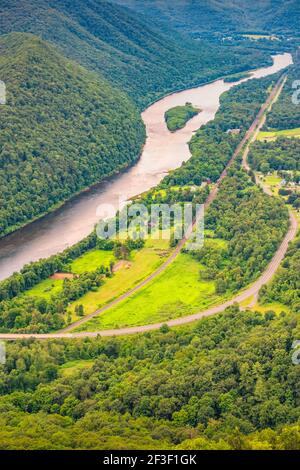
x: 233, y: 131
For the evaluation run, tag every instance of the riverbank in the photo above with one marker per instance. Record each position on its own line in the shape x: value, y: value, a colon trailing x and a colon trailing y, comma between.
x: 247, y: 138
x: 162, y: 152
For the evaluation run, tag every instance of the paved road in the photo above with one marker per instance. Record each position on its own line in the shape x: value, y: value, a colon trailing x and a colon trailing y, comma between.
x: 251, y: 133
x: 251, y: 291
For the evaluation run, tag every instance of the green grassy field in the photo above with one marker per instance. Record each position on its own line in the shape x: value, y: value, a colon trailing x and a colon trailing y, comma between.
x: 271, y: 182
x: 274, y: 135
x: 141, y: 264
x: 178, y: 291
x: 88, y: 262
x: 276, y: 307
x: 172, y: 189
x: 128, y: 273
x: 216, y: 242
x: 45, y: 289
x: 72, y: 367
x: 92, y: 260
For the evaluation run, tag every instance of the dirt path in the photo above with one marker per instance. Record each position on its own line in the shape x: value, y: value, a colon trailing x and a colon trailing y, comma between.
x: 249, y: 292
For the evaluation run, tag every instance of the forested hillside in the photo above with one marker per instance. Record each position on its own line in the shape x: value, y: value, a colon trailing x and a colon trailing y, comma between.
x: 63, y: 128
x: 129, y: 50
x: 226, y: 382
x: 220, y: 15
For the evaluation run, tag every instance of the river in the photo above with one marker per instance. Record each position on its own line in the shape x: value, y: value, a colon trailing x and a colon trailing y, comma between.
x: 163, y: 152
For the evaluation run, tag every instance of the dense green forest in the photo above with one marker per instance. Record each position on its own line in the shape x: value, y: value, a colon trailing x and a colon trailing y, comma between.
x: 252, y: 223
x: 222, y: 15
x: 129, y: 50
x: 285, y: 287
x: 176, y: 118
x: 286, y: 111
x: 62, y: 129
x: 212, y: 147
x: 65, y: 128
x: 225, y: 382
x: 281, y: 154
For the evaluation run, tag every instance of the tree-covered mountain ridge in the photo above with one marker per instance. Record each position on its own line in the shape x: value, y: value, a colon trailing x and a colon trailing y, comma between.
x: 63, y: 129
x: 129, y: 50
x: 224, y: 16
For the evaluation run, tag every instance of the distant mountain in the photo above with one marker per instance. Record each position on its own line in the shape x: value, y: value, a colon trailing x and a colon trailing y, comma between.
x: 285, y: 16
x: 63, y: 129
x: 222, y: 15
x: 125, y: 47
